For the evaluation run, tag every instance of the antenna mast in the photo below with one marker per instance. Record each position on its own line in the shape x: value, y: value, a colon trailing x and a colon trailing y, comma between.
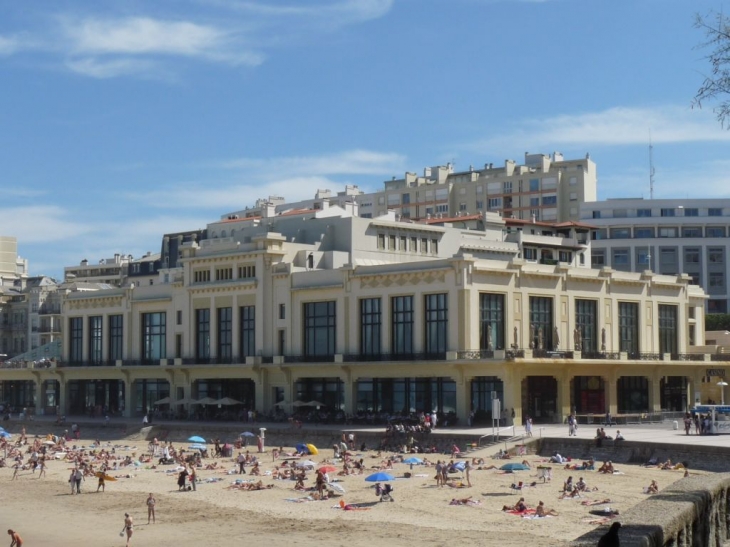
x: 651, y: 168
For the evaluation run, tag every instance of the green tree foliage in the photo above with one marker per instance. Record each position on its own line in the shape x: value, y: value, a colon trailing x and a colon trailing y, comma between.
x: 716, y: 86
x: 717, y: 321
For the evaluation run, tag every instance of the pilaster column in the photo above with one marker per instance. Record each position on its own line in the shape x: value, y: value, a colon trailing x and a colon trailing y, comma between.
x: 655, y: 404
x: 563, y: 403
x: 512, y: 386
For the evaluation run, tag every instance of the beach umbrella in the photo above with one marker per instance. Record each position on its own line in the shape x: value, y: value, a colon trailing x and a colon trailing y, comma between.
x: 5, y: 434
x: 306, y: 463
x: 186, y: 401
x: 302, y: 447
x: 204, y: 401
x: 228, y: 401
x: 48, y: 443
x: 514, y: 467
x: 413, y: 460
x: 327, y: 469
x: 247, y: 434
x: 163, y: 401
x: 312, y: 449
x: 299, y: 403
x: 460, y: 466
x: 336, y: 487
x: 197, y: 447
x: 379, y: 477
x: 196, y: 439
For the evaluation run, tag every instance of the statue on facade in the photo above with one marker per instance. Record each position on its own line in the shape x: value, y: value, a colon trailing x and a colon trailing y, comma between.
x: 603, y: 339
x: 577, y: 339
x: 540, y: 338
x: 556, y: 338
x: 516, y: 342
x: 532, y: 336
x: 490, y: 346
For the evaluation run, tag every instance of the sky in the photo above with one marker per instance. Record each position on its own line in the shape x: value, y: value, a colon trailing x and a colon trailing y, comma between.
x: 121, y: 121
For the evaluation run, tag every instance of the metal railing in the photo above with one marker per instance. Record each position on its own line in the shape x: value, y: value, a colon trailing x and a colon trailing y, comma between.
x: 608, y: 355
x: 688, y: 357
x: 720, y: 357
x: 515, y: 354
x: 552, y: 354
x: 475, y: 354
x: 644, y: 356
x: 380, y: 357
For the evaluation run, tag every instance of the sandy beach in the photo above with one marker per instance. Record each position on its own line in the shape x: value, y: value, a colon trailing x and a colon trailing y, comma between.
x: 45, y: 513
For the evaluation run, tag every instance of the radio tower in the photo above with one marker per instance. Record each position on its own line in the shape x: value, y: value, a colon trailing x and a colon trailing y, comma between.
x: 651, y: 169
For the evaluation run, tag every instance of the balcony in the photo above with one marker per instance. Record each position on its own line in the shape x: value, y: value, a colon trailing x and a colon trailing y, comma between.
x: 475, y: 354
x: 383, y: 357
x: 210, y: 360
x: 608, y: 355
x: 644, y: 356
x: 49, y: 310
x: 552, y: 354
x: 79, y: 364
x: 49, y: 328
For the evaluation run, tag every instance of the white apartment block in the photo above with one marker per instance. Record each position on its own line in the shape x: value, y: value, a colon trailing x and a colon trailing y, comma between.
x: 668, y: 236
x: 544, y: 188
x: 112, y: 271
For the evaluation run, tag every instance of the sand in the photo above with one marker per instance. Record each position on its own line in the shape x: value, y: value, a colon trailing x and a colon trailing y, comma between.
x: 45, y: 513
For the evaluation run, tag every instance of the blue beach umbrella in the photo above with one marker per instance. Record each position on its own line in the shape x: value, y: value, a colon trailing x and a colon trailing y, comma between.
x: 514, y: 467
x: 413, y: 460
x: 196, y: 439
x: 198, y: 447
x: 303, y: 448
x: 460, y: 466
x: 379, y: 477
x: 247, y: 434
x: 5, y: 434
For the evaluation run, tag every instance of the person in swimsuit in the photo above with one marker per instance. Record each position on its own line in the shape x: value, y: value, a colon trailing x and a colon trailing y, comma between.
x: 17, y: 540
x: 128, y: 527
x: 151, y: 502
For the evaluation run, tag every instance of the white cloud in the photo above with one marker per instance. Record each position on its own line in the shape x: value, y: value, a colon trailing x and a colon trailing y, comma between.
x: 41, y: 224
x: 98, y: 68
x: 8, y: 46
x: 613, y: 127
x: 335, y: 14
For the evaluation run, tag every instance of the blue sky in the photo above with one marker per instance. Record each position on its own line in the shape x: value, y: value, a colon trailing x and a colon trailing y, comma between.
x: 125, y: 120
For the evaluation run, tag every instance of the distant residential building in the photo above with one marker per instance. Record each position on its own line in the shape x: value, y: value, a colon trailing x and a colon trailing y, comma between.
x: 668, y: 236
x: 12, y: 267
x: 112, y: 271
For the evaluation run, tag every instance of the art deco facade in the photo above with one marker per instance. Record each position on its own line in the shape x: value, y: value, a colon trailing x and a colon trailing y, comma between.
x: 368, y: 315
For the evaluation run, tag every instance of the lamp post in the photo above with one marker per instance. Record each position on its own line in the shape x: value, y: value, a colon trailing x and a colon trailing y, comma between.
x: 722, y: 384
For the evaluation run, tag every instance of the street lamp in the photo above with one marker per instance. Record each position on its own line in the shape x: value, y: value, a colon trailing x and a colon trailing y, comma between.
x: 722, y: 384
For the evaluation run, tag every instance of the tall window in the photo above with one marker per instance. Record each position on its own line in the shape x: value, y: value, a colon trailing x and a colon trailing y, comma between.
x: 225, y: 333
x: 370, y: 323
x: 541, y: 320
x: 95, y: 339
x: 248, y: 331
x: 628, y: 324
x: 76, y: 329
x: 667, y: 328
x: 402, y: 324
x: 320, y: 328
x: 154, y: 330
x: 585, y: 322
x: 116, y: 337
x: 491, y: 324
x: 202, y: 333
x: 437, y: 322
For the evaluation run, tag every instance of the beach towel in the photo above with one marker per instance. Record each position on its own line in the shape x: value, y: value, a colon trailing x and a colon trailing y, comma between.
x: 522, y: 513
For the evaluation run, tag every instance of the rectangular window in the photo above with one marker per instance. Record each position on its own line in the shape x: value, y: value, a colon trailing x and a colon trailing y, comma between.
x: 491, y: 324
x: 480, y: 204
x: 225, y: 334
x: 667, y: 328
x: 692, y: 256
x: 439, y: 209
x: 541, y: 321
x: 714, y: 212
x: 223, y: 274
x: 437, y: 321
x: 565, y: 256
x: 282, y: 311
x: 434, y: 246
x: 643, y: 233
x: 414, y: 245
x: 320, y: 328
x: 462, y: 207
x: 248, y: 331
x: 154, y: 331
x: 620, y: 257
x: 598, y: 258
x: 641, y: 213
x: 691, y: 231
x: 628, y: 321
x: 586, y: 322
x: 716, y: 279
x: 715, y: 231
x: 391, y: 243
x: 534, y: 202
x: 201, y: 276
x: 406, y: 199
x: 534, y: 185
x: 596, y: 214
x: 529, y: 253
x: 202, y: 333
x: 95, y: 339
x: 668, y: 257
x: 550, y: 200
x: 507, y: 188
x: 402, y: 324
x: 403, y: 243
x: 573, y: 181
x: 370, y: 324
x: 116, y: 337
x: 668, y: 232
x: 179, y: 317
x: 620, y: 213
x: 620, y: 233
x: 642, y: 258
x: 716, y: 255
x: 76, y: 330
x: 246, y: 272
x: 692, y: 212
x: 573, y: 196
x: 424, y: 245
x: 381, y: 241
x: 667, y: 212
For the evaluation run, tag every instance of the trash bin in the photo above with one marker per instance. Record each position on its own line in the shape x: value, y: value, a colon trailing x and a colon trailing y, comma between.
x: 675, y: 425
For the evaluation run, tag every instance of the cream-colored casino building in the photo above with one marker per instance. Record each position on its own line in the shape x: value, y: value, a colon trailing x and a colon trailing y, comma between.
x: 384, y: 316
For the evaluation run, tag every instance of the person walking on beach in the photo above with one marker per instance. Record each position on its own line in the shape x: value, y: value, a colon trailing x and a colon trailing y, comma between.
x: 151, y: 502
x: 128, y: 527
x: 42, y: 467
x: 17, y: 541
x: 241, y: 464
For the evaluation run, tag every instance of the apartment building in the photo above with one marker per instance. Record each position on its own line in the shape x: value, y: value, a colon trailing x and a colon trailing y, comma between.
x: 381, y: 315
x: 544, y: 188
x: 669, y: 236
x: 112, y: 271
